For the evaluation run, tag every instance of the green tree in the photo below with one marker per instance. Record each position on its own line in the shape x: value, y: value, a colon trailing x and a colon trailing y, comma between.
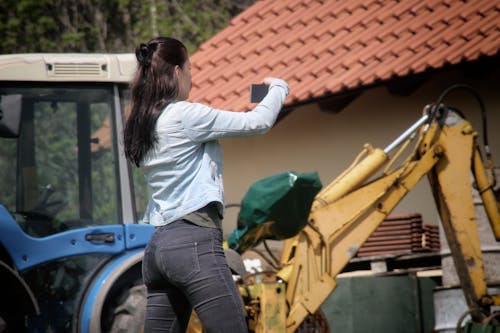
x: 109, y: 25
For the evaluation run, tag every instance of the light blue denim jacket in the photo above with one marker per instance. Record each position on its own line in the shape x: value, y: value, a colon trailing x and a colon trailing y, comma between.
x: 184, y: 170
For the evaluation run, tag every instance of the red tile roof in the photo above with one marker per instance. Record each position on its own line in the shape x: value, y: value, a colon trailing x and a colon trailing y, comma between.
x: 325, y: 47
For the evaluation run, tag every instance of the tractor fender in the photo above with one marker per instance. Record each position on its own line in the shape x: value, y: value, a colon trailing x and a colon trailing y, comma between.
x: 93, y: 301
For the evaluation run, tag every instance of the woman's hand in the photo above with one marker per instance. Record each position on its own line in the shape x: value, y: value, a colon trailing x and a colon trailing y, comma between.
x: 269, y: 80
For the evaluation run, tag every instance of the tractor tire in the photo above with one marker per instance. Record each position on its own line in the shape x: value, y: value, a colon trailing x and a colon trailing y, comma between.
x: 129, y: 316
x: 3, y: 325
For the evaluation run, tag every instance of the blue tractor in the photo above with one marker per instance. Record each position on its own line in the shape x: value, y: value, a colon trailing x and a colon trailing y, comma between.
x: 71, y: 241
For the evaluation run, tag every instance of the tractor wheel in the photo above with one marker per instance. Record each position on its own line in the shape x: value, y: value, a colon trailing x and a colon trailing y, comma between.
x: 130, y: 315
x: 3, y: 325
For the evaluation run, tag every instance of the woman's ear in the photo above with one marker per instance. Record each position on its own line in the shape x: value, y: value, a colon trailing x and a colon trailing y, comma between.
x: 177, y: 70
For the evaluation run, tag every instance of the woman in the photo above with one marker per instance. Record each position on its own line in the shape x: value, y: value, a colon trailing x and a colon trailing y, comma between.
x: 175, y: 143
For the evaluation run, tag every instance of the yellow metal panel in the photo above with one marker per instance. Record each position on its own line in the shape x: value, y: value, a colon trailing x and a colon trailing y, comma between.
x: 485, y: 188
x: 272, y: 307
x: 310, y: 302
x: 453, y: 191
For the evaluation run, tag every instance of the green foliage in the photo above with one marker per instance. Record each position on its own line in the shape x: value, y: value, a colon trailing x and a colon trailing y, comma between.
x: 8, y: 173
x: 109, y: 25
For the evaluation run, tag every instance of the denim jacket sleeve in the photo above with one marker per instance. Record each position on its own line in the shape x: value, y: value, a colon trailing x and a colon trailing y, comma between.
x: 202, y: 123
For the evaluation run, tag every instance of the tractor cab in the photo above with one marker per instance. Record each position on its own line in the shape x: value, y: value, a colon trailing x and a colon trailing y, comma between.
x: 67, y: 202
x: 60, y: 165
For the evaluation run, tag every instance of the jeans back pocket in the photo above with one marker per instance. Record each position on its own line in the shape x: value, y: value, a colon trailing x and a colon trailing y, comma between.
x: 179, y: 260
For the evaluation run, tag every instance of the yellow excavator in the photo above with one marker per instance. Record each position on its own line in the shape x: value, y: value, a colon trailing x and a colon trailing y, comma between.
x: 441, y: 145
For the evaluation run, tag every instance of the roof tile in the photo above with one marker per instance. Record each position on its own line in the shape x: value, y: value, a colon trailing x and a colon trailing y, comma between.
x: 326, y: 47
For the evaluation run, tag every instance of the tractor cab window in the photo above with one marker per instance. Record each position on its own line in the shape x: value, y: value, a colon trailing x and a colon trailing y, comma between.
x: 60, y: 170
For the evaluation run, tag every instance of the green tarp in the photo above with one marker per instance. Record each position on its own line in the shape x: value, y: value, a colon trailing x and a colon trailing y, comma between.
x: 276, y: 207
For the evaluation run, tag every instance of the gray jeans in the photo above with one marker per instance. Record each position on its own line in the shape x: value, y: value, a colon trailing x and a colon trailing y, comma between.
x: 184, y: 268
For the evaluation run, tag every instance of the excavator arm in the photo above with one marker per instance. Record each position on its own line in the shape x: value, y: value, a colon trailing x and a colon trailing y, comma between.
x: 349, y: 210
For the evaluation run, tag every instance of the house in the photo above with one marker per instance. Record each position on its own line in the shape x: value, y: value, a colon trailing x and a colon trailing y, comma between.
x: 360, y: 72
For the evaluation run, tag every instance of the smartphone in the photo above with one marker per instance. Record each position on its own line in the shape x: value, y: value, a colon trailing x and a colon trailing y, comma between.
x: 258, y: 92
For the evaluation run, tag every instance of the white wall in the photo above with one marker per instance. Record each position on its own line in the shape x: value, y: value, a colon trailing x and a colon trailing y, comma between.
x: 310, y: 140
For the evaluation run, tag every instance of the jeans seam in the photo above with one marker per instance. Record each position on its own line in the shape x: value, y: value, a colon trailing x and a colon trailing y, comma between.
x: 233, y: 300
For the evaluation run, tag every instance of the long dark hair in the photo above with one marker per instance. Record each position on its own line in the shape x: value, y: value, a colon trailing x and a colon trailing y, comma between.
x: 152, y: 89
